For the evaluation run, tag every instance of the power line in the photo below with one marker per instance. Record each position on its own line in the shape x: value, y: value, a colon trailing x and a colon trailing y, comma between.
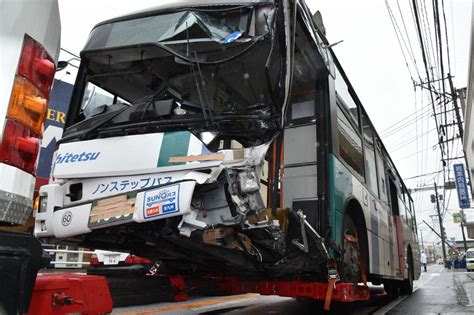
x: 423, y: 175
x: 401, y: 145
x: 69, y: 52
x: 406, y: 123
x: 415, y: 5
x: 417, y: 152
x: 408, y: 39
x: 386, y: 130
x: 446, y: 35
x: 397, y: 31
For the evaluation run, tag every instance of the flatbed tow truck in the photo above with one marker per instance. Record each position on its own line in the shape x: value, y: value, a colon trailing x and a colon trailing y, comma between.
x: 86, y: 294
x: 29, y: 34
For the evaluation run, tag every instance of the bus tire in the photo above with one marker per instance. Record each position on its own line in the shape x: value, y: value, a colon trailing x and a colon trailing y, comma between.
x: 407, y: 285
x: 350, y: 263
x: 391, y: 288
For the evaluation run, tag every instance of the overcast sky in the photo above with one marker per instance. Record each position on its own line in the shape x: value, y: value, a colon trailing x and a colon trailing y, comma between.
x: 372, y: 59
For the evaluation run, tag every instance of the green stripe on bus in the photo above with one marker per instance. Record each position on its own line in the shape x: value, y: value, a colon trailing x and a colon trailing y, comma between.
x: 340, y: 189
x: 173, y: 144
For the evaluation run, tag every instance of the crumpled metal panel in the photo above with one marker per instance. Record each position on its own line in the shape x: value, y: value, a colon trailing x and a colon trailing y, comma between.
x: 14, y: 208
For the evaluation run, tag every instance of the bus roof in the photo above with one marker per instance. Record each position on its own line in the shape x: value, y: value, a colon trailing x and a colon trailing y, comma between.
x: 167, y: 5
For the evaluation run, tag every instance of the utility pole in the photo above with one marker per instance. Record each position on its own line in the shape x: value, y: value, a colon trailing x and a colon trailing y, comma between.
x: 443, y: 237
x: 462, y: 229
x: 456, y: 107
x: 463, y: 237
x: 454, y: 95
x: 422, y: 244
x: 434, y: 231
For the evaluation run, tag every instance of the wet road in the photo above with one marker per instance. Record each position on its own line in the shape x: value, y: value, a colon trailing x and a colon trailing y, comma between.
x: 439, y: 291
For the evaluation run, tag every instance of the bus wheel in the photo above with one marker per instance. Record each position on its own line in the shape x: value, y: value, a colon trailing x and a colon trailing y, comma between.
x: 391, y: 288
x: 407, y: 285
x: 351, y: 268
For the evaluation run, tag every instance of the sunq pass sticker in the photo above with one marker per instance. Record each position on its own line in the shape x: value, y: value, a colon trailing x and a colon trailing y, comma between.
x: 161, y: 201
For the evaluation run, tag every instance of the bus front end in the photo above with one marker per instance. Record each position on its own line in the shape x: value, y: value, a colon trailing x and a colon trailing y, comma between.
x: 173, y: 146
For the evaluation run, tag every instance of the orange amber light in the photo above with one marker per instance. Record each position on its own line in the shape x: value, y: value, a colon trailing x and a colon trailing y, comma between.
x: 27, y: 105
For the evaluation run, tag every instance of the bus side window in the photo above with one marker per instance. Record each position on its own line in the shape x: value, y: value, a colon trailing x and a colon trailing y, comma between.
x: 403, y: 209
x: 413, y: 218
x: 306, y: 88
x: 369, y: 155
x: 350, y: 143
x: 343, y: 92
x: 408, y: 216
x: 381, y: 175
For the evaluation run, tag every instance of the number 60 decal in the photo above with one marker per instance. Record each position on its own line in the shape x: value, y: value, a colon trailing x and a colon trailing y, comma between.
x: 66, y: 218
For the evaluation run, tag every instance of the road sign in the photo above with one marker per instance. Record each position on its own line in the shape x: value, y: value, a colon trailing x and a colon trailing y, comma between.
x: 461, y: 186
x: 463, y: 216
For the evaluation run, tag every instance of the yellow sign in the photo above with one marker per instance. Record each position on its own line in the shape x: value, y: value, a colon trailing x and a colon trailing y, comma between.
x: 56, y: 115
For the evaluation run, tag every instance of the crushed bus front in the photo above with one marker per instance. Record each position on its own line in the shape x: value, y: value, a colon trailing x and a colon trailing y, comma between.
x: 173, y: 142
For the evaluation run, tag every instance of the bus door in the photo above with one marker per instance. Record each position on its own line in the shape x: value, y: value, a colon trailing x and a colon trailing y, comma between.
x: 393, y: 267
x: 398, y: 224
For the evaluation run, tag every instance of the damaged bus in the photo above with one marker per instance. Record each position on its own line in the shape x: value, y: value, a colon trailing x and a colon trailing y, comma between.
x: 225, y: 139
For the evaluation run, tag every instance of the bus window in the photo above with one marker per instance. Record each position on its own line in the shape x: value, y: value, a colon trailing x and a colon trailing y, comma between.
x: 305, y: 71
x: 409, y: 219
x: 350, y: 143
x: 381, y: 175
x: 412, y: 210
x: 95, y: 96
x: 404, y: 191
x: 342, y: 91
x: 369, y: 154
x: 402, y: 209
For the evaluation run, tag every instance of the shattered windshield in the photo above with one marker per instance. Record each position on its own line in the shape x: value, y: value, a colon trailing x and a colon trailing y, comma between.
x: 191, y: 64
x: 169, y: 27
x: 221, y: 26
x: 214, y: 58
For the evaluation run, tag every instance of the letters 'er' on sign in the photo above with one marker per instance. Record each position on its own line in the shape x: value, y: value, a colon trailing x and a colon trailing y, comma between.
x: 461, y: 186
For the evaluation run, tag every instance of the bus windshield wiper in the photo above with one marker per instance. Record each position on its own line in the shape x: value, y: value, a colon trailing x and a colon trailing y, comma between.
x: 156, y: 96
x: 89, y: 131
x: 204, y: 101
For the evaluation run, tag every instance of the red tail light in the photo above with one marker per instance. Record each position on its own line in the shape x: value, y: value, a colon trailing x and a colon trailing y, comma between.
x: 36, y: 65
x: 94, y: 260
x: 131, y: 260
x: 20, y: 146
x: 27, y: 107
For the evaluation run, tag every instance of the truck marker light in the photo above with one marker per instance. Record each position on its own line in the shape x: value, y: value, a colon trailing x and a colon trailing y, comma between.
x: 27, y: 108
x: 19, y: 146
x: 36, y: 65
x: 27, y: 105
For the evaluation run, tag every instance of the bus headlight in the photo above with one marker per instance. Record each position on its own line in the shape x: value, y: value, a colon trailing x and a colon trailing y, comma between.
x: 248, y: 182
x: 43, y: 204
